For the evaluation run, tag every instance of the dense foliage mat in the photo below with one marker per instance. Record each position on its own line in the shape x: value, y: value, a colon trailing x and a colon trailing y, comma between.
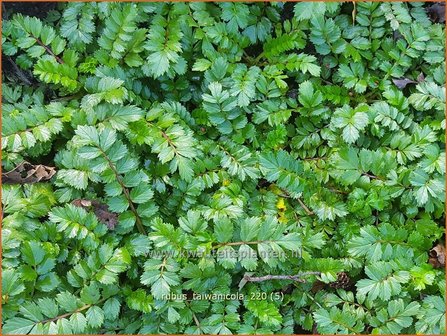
x: 159, y: 157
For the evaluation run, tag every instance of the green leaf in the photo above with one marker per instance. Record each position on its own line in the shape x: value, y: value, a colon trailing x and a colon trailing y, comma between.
x: 141, y: 193
x: 67, y: 301
x: 426, y: 188
x: 347, y: 165
x: 382, y: 282
x: 78, y: 322
x: 353, y: 76
x: 244, y: 84
x: 398, y: 316
x: 31, y: 311
x: 11, y: 284
x: 95, y: 316
x: 48, y: 307
x: 161, y: 276
x: 266, y: 311
x: 111, y: 309
x: 248, y: 257
x: 236, y: 14
x: 282, y: 168
x: 431, y: 318
x: 118, y: 29
x: 306, y: 11
x: 90, y: 294
x: 337, y: 321
x: 18, y: 325
x: 33, y: 253
x: 307, y: 95
x: 140, y: 301
x: 153, y: 152
x: 352, y: 121
x: 250, y: 228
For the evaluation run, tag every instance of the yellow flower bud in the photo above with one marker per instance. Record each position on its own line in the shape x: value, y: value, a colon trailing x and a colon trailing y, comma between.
x: 282, y: 217
x: 281, y: 205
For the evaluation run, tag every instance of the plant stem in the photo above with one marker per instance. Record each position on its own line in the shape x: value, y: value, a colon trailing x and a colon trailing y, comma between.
x: 239, y: 243
x: 138, y: 221
x: 304, y: 206
x: 58, y: 59
x: 298, y: 277
x: 257, y: 59
x: 196, y: 320
x: 71, y: 313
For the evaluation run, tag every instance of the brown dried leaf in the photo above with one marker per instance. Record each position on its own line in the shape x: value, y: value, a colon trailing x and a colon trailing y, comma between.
x: 28, y: 173
x: 317, y: 286
x: 343, y: 281
x: 437, y: 256
x: 437, y: 12
x: 287, y: 289
x: 420, y: 78
x: 83, y: 203
x: 401, y: 83
x: 110, y: 219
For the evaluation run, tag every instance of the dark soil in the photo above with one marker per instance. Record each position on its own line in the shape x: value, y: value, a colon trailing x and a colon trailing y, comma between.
x: 37, y: 9
x: 14, y: 73
x: 287, y: 12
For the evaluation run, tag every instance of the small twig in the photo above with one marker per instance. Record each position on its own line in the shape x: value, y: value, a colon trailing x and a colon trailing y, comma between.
x: 75, y: 96
x: 339, y: 191
x: 58, y: 59
x: 374, y: 177
x: 138, y: 220
x: 257, y: 59
x: 327, y: 82
x: 298, y: 277
x: 239, y: 243
x: 315, y: 158
x: 247, y: 56
x: 71, y: 313
x: 304, y: 206
x: 196, y: 320
x: 20, y: 74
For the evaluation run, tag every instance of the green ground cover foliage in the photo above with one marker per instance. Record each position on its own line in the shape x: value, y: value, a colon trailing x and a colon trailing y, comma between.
x: 153, y: 149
